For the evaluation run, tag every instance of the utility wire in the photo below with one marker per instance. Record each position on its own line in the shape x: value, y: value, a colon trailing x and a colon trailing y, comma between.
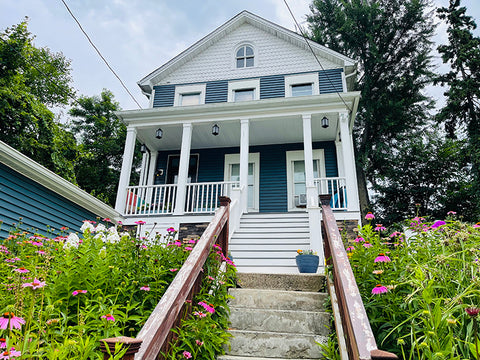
x: 100, y: 54
x: 313, y: 52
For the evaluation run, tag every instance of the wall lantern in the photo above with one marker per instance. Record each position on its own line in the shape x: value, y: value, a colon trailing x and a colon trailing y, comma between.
x: 143, y: 148
x: 159, y: 133
x: 215, y: 130
x: 325, y: 122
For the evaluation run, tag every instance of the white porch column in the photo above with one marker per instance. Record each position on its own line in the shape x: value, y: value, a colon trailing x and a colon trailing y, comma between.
x: 126, y: 169
x: 349, y: 163
x: 152, y: 168
x: 244, y: 143
x: 183, y: 169
x: 313, y: 208
x: 143, y: 169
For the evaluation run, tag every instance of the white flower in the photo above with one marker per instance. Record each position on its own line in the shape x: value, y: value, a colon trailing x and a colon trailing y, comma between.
x: 100, y: 228
x: 112, y: 230
x: 100, y: 236
x: 87, y: 227
x: 113, y: 238
x: 125, y: 234
x: 72, y: 241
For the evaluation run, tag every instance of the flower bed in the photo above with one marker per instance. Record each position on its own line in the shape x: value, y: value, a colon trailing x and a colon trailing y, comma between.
x: 420, y: 290
x: 59, y: 296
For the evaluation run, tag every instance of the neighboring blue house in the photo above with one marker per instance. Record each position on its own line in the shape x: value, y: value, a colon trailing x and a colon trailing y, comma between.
x: 249, y: 112
x: 42, y: 199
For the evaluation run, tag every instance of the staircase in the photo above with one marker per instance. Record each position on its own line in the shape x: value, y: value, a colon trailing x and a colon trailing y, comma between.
x: 277, y: 317
x: 268, y: 242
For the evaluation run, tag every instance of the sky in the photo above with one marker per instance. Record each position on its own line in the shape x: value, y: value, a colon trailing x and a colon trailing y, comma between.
x: 138, y: 36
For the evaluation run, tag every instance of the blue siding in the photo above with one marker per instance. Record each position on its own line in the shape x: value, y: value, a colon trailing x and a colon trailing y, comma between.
x: 38, y: 206
x: 216, y: 92
x: 330, y: 81
x: 272, y: 86
x: 273, y: 169
x: 164, y: 95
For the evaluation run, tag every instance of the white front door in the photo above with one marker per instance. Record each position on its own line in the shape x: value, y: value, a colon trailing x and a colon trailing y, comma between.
x: 232, y: 173
x: 296, y: 179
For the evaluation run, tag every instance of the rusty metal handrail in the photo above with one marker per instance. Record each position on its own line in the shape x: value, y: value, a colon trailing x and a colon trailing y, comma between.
x: 360, y: 341
x: 156, y: 334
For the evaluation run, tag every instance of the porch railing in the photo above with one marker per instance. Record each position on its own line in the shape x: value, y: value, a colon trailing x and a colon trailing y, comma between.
x: 161, y: 199
x: 335, y: 186
x: 155, y: 336
x: 203, y: 197
x: 360, y: 342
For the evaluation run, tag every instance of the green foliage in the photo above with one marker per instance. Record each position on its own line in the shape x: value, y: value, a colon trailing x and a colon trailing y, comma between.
x: 391, y: 42
x: 101, y: 136
x: 30, y: 79
x: 103, y: 286
x: 431, y: 278
x: 461, y: 114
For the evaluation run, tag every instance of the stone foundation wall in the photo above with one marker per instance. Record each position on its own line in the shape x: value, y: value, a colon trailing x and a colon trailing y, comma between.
x: 191, y: 231
x: 350, y: 227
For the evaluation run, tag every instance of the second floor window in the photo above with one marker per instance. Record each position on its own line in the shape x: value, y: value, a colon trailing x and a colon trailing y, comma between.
x: 245, y: 56
x: 244, y: 95
x: 190, y: 99
x: 302, y: 89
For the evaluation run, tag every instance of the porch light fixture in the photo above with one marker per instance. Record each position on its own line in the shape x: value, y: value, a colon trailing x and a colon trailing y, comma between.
x: 215, y: 130
x: 143, y: 148
x: 159, y: 133
x: 325, y: 122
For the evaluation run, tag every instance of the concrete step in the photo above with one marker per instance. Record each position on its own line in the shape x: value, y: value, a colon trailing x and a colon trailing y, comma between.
x: 290, y: 321
x: 290, y: 282
x: 239, y: 357
x: 275, y: 344
x: 277, y: 299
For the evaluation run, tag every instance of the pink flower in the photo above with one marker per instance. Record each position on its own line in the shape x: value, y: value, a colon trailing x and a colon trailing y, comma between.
x: 41, y: 252
x: 145, y: 288
x: 369, y: 216
x: 207, y: 307
x: 35, y: 284
x: 477, y: 225
x: 382, y: 258
x: 438, y: 223
x: 107, y: 219
x: 191, y: 241
x: 359, y: 239
x: 10, y: 354
x: 108, y: 317
x: 451, y: 213
x: 140, y: 222
x: 395, y: 234
x: 380, y: 227
x: 12, y: 260
x: 188, y: 248
x: 199, y: 343
x: 173, y: 270
x: 472, y: 311
x: 350, y: 248
x: 21, y: 270
x: 367, y: 245
x: 211, y: 277
x: 76, y: 292
x: 3, y: 343
x: 9, y: 317
x: 379, y: 289
x: 178, y: 243
x: 187, y: 355
x: 199, y: 314
x: 170, y: 229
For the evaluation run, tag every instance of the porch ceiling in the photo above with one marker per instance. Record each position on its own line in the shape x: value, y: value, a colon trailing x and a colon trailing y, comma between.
x: 271, y: 121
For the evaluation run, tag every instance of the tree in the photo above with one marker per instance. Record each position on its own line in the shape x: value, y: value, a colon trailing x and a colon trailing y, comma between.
x: 461, y: 113
x: 30, y: 80
x: 391, y: 41
x: 101, y: 136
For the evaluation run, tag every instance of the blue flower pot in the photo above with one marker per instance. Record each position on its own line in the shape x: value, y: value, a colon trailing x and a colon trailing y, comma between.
x: 307, y: 263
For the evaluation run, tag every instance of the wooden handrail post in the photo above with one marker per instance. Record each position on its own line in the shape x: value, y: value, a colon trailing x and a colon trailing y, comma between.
x: 133, y: 346
x: 223, y: 237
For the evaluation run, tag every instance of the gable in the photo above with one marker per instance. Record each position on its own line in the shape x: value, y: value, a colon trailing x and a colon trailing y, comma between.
x: 273, y: 56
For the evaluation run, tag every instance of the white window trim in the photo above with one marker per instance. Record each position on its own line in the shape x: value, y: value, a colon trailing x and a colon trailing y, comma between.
x: 234, y: 57
x: 189, y: 89
x: 311, y: 78
x: 252, y: 158
x: 243, y: 85
x: 318, y: 154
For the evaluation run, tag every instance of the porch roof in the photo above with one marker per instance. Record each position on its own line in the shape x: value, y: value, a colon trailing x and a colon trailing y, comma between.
x: 272, y: 121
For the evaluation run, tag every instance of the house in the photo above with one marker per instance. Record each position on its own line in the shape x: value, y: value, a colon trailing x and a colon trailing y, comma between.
x: 255, y: 112
x: 39, y: 201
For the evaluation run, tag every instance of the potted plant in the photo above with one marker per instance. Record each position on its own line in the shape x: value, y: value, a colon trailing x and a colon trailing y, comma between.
x: 307, y: 261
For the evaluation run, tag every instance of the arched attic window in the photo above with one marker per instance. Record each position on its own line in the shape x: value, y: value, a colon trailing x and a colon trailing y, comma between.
x: 245, y: 56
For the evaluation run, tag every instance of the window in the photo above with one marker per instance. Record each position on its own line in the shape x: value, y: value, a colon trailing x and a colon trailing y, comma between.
x: 243, y: 90
x: 244, y: 57
x: 244, y: 95
x: 302, y: 89
x: 189, y: 99
x: 301, y: 85
x: 186, y: 95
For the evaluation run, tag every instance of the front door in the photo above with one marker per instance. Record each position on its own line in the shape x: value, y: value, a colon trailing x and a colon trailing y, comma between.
x: 232, y: 173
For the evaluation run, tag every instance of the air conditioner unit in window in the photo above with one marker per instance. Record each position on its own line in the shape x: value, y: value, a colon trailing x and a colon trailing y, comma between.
x: 301, y: 200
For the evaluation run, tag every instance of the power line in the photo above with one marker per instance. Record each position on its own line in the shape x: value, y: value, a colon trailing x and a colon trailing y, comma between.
x: 313, y: 52
x: 100, y: 54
